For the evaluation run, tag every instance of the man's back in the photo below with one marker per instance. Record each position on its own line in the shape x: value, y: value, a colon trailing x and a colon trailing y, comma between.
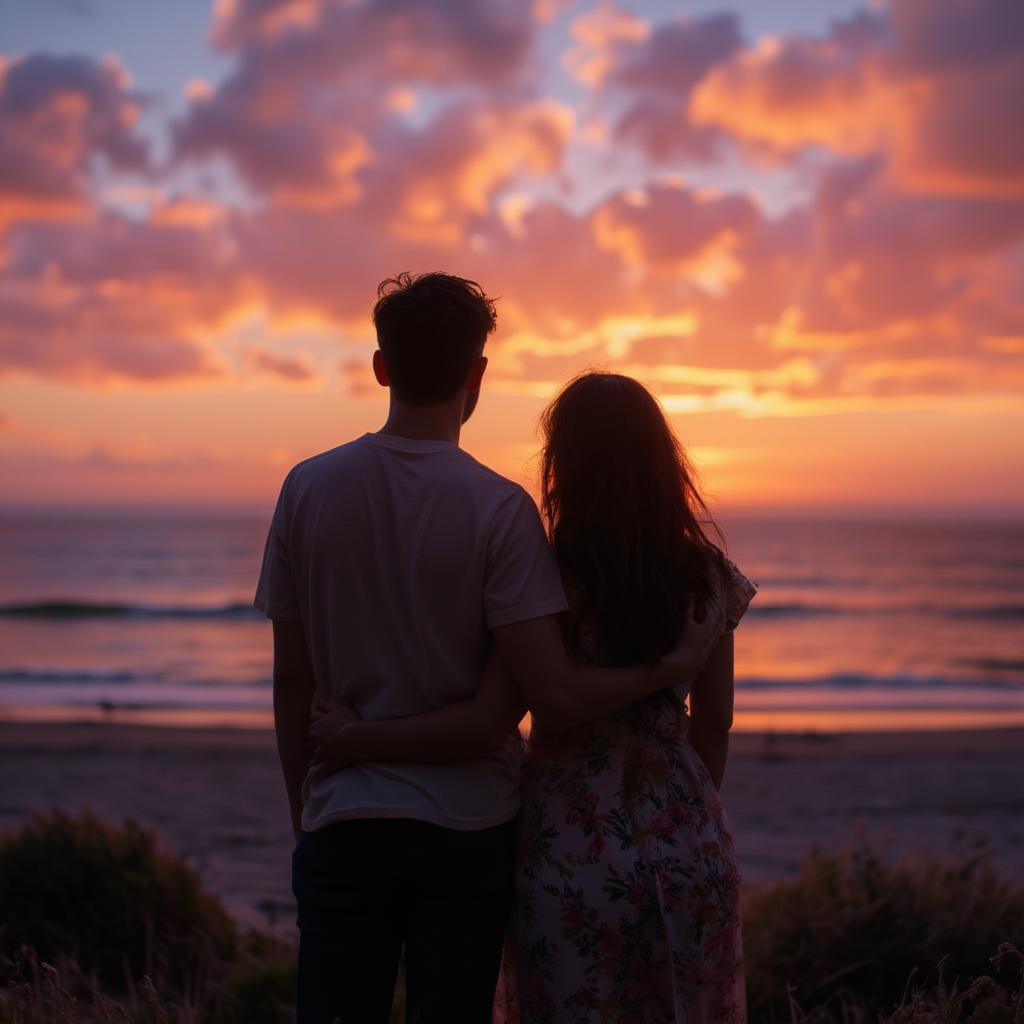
x: 398, y: 555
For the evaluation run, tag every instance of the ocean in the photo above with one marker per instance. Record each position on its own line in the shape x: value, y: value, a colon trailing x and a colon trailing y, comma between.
x: 859, y: 624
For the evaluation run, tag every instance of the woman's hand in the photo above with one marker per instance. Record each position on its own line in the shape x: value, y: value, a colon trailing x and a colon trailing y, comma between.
x: 328, y: 720
x: 331, y: 756
x: 701, y: 632
x: 328, y: 717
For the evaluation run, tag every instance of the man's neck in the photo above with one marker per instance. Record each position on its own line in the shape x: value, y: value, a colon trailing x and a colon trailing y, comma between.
x: 424, y: 422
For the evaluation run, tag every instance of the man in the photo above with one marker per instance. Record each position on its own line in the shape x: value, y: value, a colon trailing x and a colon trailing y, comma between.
x: 392, y: 564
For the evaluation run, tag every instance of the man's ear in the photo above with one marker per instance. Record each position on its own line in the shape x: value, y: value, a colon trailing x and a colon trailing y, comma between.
x: 476, y: 373
x: 380, y: 369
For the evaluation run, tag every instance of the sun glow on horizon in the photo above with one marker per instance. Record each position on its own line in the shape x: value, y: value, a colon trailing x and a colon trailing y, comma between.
x: 802, y: 236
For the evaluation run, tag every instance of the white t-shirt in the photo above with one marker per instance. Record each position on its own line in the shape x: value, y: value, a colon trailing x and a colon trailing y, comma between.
x: 398, y: 556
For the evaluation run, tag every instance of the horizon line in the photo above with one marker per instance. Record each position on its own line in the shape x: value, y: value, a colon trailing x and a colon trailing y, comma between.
x: 835, y: 512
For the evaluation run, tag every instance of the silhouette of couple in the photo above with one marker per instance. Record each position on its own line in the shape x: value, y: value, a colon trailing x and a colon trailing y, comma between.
x: 419, y: 609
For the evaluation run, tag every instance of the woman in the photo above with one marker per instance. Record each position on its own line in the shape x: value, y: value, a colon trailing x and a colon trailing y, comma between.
x: 627, y: 888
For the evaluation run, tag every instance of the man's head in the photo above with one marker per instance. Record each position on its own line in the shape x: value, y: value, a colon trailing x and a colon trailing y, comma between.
x: 431, y: 330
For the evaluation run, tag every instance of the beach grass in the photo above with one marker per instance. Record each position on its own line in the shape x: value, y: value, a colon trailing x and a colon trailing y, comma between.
x: 860, y: 937
x: 101, y: 923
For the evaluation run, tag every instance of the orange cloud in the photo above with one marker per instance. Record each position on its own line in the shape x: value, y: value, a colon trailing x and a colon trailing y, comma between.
x: 56, y: 115
x: 358, y: 377
x: 111, y: 298
x: 597, y: 36
x: 295, y: 369
x: 375, y: 137
x: 641, y: 76
x: 311, y: 99
x: 668, y: 226
x: 933, y: 87
x: 453, y: 170
x: 486, y: 40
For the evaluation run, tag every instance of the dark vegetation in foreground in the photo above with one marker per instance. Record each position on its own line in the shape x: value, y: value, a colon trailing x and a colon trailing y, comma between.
x: 100, y: 923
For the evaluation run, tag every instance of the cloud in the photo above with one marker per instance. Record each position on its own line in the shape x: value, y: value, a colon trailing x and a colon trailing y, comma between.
x: 671, y: 227
x: 902, y: 264
x: 386, y: 135
x: 437, y: 179
x: 57, y: 116
x: 598, y: 35
x: 315, y: 81
x: 434, y: 41
x: 296, y: 369
x: 866, y: 290
x: 82, y: 340
x: 555, y: 283
x: 358, y: 377
x: 648, y: 73
x: 111, y: 249
x: 659, y: 76
x: 430, y: 206
x: 934, y: 88
x: 109, y: 297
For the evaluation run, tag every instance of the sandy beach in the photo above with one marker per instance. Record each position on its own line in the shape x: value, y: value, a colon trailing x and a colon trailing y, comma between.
x: 216, y: 796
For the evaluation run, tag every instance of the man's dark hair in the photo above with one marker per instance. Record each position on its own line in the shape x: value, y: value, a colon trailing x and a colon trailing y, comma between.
x: 430, y: 328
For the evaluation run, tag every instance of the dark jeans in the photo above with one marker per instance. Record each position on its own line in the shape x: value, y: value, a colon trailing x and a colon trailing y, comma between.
x: 367, y: 888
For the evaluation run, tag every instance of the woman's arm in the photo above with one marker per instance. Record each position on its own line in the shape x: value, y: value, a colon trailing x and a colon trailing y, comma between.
x: 711, y: 705
x: 567, y: 695
x: 468, y: 728
x: 561, y: 694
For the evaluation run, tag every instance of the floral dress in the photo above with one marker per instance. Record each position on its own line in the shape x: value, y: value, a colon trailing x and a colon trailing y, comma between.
x: 628, y: 896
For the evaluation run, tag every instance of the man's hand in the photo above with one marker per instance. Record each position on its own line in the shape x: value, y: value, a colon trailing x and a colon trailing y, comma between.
x: 701, y: 632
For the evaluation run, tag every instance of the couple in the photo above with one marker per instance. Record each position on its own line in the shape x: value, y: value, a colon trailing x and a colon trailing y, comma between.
x: 418, y: 611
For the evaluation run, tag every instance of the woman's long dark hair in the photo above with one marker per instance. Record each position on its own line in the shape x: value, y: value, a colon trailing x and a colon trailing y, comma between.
x: 624, y: 515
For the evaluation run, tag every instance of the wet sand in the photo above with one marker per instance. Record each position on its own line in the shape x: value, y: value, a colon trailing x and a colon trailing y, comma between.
x: 217, y: 797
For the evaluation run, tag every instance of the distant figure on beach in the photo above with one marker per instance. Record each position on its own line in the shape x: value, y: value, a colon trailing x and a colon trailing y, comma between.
x: 395, y: 566
x: 627, y: 890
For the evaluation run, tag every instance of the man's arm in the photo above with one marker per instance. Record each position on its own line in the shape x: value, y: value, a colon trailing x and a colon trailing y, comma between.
x: 711, y: 706
x: 561, y: 694
x: 294, y: 687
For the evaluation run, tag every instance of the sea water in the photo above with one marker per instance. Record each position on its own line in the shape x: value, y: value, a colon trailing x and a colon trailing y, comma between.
x: 858, y: 624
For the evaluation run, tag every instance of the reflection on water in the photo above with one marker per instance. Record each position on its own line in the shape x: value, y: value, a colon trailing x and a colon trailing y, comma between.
x: 858, y: 625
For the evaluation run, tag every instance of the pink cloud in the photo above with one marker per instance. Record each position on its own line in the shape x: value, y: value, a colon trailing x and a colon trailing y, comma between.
x: 358, y: 376
x: 670, y: 226
x: 81, y: 341
x: 313, y: 85
x: 57, y: 114
x: 934, y: 88
x: 883, y: 255
x: 644, y: 75
x: 658, y: 76
x: 354, y: 182
x: 426, y: 40
x: 107, y: 296
x: 296, y: 369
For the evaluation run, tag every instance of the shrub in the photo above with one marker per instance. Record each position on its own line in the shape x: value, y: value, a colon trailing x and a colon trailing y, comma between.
x: 842, y: 939
x: 39, y: 993
x: 854, y: 938
x: 261, y: 987
x: 111, y: 898
x: 984, y: 1001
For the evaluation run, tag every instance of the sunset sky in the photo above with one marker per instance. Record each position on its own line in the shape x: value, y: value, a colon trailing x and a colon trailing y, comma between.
x: 801, y: 223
